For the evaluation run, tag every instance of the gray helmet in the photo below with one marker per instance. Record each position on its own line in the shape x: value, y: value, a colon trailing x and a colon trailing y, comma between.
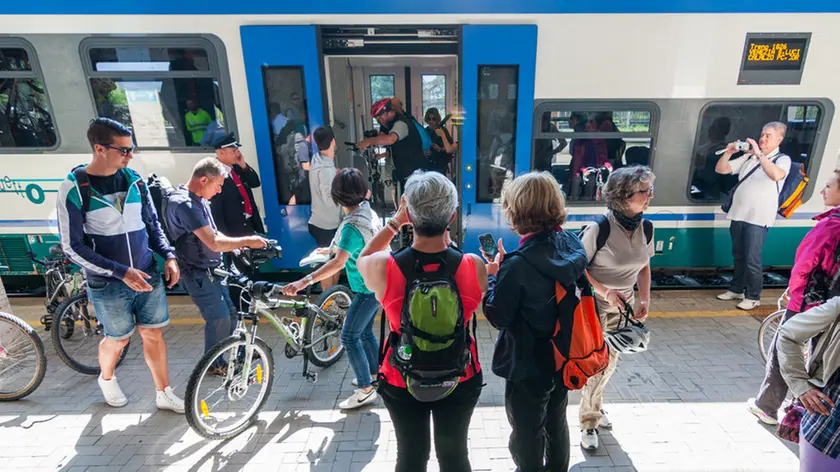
x: 630, y: 338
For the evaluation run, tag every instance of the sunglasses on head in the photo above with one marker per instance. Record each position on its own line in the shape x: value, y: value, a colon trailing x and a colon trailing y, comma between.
x: 122, y: 150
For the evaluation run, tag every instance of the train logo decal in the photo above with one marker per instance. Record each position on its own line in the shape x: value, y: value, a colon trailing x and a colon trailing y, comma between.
x: 31, y: 189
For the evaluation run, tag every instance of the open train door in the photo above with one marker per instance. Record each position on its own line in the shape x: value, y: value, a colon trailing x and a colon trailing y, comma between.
x: 282, y: 67
x: 498, y: 65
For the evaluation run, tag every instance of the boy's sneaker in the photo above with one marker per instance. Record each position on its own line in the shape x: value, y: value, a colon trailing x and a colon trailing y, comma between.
x: 727, y: 295
x: 114, y: 395
x: 167, y: 400
x: 762, y: 416
x: 359, y: 399
x: 589, y: 439
x: 747, y: 304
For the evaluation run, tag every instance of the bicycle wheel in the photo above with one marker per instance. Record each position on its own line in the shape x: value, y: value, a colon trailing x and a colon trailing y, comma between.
x: 328, y: 348
x: 218, y: 406
x: 80, y: 349
x: 767, y: 331
x: 22, y: 359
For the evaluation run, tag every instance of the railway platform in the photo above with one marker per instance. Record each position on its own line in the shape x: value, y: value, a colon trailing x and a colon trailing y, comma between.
x: 678, y: 407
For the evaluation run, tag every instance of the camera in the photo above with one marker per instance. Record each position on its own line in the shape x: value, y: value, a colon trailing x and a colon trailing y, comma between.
x: 742, y: 146
x: 372, y: 133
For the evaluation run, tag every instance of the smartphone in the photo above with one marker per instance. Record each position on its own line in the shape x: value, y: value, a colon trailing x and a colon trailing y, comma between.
x: 488, y: 244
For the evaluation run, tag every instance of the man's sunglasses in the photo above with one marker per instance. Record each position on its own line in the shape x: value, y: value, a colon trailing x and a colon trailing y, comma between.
x: 122, y: 150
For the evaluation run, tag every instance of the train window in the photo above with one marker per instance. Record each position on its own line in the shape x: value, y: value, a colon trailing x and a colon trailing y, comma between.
x: 724, y: 123
x: 580, y: 145
x: 292, y: 151
x: 381, y: 86
x: 25, y: 116
x: 497, y: 102
x: 434, y: 92
x: 166, y: 92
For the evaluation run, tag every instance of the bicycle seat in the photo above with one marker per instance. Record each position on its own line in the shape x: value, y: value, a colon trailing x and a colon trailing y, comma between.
x: 314, y: 259
x: 55, y: 250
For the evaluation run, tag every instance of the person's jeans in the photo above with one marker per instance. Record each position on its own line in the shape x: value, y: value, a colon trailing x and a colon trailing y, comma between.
x: 214, y: 303
x: 358, y: 338
x: 747, y: 242
x: 413, y: 430
x: 536, y: 410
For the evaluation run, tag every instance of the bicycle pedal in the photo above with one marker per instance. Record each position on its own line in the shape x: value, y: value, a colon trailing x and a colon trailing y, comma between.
x: 311, y: 376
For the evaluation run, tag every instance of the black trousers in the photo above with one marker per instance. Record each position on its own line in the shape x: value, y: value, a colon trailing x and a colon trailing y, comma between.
x: 536, y: 410
x: 747, y: 241
x: 451, y: 423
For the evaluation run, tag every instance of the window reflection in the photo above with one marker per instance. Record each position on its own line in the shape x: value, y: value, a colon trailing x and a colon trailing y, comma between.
x: 25, y: 117
x: 496, y: 130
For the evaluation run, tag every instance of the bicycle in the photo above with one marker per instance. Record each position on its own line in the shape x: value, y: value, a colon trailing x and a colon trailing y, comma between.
x: 770, y: 326
x: 22, y: 359
x: 60, y: 283
x: 377, y: 185
x: 243, y: 364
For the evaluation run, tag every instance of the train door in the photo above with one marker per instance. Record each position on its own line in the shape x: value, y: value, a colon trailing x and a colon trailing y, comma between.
x: 498, y: 65
x: 284, y: 86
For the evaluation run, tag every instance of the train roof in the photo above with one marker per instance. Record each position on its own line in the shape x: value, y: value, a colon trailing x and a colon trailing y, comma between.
x: 428, y: 7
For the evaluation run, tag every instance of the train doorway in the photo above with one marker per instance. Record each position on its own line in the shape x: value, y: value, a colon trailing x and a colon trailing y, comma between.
x: 482, y: 75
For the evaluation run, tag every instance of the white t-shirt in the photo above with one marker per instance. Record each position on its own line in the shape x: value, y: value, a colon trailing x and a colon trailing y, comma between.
x: 756, y: 200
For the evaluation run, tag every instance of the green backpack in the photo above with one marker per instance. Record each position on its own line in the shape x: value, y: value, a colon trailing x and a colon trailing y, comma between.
x: 432, y: 348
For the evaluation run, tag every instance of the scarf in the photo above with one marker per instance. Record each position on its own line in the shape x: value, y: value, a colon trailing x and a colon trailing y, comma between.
x: 364, y: 219
x: 630, y: 223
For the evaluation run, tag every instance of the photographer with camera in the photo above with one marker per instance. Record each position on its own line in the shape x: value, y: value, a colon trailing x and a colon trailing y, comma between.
x: 199, y: 245
x: 754, y: 203
x: 402, y: 136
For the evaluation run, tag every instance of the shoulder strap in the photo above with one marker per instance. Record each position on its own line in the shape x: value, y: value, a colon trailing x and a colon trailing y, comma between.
x: 412, y: 267
x: 647, y: 226
x: 83, y: 183
x: 603, y: 232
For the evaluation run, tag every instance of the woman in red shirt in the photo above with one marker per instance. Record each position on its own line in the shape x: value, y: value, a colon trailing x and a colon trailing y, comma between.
x: 429, y: 205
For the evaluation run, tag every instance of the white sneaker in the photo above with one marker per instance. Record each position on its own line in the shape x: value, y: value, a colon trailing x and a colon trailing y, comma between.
x: 114, y: 395
x: 359, y: 398
x: 727, y: 295
x: 762, y: 416
x: 605, y: 421
x: 589, y: 439
x: 167, y: 400
x: 747, y: 304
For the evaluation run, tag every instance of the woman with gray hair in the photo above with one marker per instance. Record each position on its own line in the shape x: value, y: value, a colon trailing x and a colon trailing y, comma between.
x: 442, y: 288
x: 619, y: 247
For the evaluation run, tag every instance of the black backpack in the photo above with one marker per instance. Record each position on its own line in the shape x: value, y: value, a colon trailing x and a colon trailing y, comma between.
x: 160, y: 189
x: 430, y: 363
x: 604, y: 232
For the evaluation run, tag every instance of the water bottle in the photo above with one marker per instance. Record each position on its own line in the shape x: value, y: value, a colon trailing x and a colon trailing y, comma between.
x: 404, y: 352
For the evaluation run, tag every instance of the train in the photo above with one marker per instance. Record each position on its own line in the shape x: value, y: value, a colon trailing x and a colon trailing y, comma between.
x: 662, y: 83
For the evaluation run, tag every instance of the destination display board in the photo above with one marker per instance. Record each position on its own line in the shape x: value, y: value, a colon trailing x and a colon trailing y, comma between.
x: 773, y: 58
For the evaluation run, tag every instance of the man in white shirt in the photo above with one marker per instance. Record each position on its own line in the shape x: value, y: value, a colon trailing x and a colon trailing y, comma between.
x: 754, y: 207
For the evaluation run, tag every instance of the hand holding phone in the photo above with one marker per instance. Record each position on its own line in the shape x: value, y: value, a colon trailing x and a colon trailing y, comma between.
x: 488, y: 245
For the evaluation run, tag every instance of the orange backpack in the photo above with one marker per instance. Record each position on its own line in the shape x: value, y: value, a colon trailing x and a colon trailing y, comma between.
x: 578, y: 340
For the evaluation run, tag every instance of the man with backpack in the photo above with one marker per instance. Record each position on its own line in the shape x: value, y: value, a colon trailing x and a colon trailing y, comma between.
x: 109, y: 227
x: 752, y: 208
x: 410, y: 144
x: 199, y: 246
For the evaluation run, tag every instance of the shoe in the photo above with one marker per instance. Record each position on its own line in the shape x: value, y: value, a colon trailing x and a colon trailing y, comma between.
x: 373, y: 381
x: 359, y: 399
x: 747, y: 304
x: 762, y: 416
x: 727, y: 295
x: 167, y: 400
x: 114, y: 395
x: 220, y: 370
x: 605, y: 421
x: 589, y: 439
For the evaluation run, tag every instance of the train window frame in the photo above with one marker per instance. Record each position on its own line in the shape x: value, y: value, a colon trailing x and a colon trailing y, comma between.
x: 825, y: 106
x: 606, y: 104
x: 37, y: 73
x: 219, y: 73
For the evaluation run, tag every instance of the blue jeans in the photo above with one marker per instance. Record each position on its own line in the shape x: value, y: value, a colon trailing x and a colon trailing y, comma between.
x: 213, y: 301
x: 747, y: 242
x: 358, y: 338
x: 120, y: 308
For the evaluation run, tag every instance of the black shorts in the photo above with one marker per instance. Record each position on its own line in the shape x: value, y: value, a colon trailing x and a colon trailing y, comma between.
x: 323, y: 237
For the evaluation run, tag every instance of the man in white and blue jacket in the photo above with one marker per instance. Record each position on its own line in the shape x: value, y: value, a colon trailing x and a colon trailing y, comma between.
x: 109, y: 227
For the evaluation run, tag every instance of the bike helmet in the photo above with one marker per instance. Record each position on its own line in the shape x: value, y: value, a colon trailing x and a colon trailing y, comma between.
x: 380, y: 107
x: 631, y: 338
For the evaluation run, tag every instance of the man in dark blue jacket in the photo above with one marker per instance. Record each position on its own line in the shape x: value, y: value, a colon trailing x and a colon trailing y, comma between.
x: 109, y: 227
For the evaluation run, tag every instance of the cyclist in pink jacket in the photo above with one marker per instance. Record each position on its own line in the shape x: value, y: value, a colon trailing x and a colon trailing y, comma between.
x: 815, y: 252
